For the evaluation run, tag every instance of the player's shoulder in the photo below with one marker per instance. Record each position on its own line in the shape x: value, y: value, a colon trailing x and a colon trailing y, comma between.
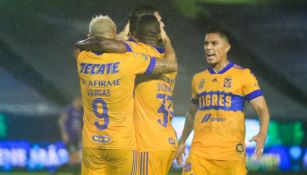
x: 80, y: 53
x: 151, y: 50
x: 201, y: 74
x: 133, y: 46
x: 86, y: 53
x: 238, y: 67
x: 144, y: 46
x: 152, y: 47
x: 130, y: 56
x: 130, y: 44
x: 241, y: 69
x: 158, y: 49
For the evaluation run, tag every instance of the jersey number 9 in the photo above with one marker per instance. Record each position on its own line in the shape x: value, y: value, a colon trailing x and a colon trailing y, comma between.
x: 101, y: 115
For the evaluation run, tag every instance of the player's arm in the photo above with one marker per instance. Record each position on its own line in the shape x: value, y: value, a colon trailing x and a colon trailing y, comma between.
x: 260, y: 106
x: 61, y: 122
x: 102, y: 45
x: 169, y: 63
x: 188, y: 128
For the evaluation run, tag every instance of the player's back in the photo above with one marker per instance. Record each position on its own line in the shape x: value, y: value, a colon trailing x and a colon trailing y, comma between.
x: 154, y: 106
x: 107, y: 83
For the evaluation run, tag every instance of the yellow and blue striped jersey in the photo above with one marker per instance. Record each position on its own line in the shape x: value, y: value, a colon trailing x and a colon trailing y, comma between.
x: 154, y: 106
x: 219, y: 127
x: 107, y: 83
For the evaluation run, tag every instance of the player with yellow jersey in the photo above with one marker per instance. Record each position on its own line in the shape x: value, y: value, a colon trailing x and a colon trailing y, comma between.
x: 156, y: 138
x: 217, y: 113
x: 107, y: 83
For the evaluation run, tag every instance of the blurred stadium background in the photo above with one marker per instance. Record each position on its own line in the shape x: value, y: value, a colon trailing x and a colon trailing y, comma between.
x: 38, y: 74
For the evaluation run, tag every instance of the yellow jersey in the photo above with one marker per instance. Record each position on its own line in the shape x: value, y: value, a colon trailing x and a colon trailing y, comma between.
x: 219, y: 127
x: 153, y: 110
x: 107, y: 83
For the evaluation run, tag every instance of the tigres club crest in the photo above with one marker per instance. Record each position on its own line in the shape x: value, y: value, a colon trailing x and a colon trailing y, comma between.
x: 201, y: 84
x: 187, y: 167
x: 240, y: 148
x: 227, y: 82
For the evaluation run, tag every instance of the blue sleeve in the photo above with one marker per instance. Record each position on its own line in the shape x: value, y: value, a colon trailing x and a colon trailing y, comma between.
x: 253, y: 95
x: 151, y: 66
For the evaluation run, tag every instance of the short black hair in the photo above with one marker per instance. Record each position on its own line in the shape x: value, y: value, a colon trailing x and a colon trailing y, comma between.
x: 137, y: 13
x: 222, y: 32
x: 147, y: 27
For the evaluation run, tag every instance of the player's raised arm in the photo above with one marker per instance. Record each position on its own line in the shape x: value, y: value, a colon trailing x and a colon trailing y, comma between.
x: 102, y: 44
x: 169, y: 63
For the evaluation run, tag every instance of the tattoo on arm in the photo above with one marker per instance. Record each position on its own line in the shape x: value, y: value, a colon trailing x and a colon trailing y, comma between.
x: 169, y: 63
x: 164, y: 66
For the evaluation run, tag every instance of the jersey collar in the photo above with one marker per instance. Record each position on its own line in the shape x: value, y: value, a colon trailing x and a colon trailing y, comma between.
x: 225, y: 69
x: 97, y: 52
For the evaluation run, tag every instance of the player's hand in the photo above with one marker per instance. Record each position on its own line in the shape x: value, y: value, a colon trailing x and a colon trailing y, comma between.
x: 159, y: 18
x: 180, y: 153
x: 126, y: 28
x: 124, y: 35
x: 260, y: 141
x: 163, y: 34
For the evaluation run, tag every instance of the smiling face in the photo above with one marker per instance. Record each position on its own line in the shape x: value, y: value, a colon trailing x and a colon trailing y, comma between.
x: 216, y: 48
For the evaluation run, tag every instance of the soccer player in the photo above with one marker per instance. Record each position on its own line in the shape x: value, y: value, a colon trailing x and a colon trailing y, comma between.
x: 107, y: 83
x: 156, y: 138
x: 217, y: 113
x: 70, y: 124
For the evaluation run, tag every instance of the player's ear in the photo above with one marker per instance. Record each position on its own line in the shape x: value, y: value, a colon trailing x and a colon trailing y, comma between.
x: 114, y: 30
x: 228, y: 47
